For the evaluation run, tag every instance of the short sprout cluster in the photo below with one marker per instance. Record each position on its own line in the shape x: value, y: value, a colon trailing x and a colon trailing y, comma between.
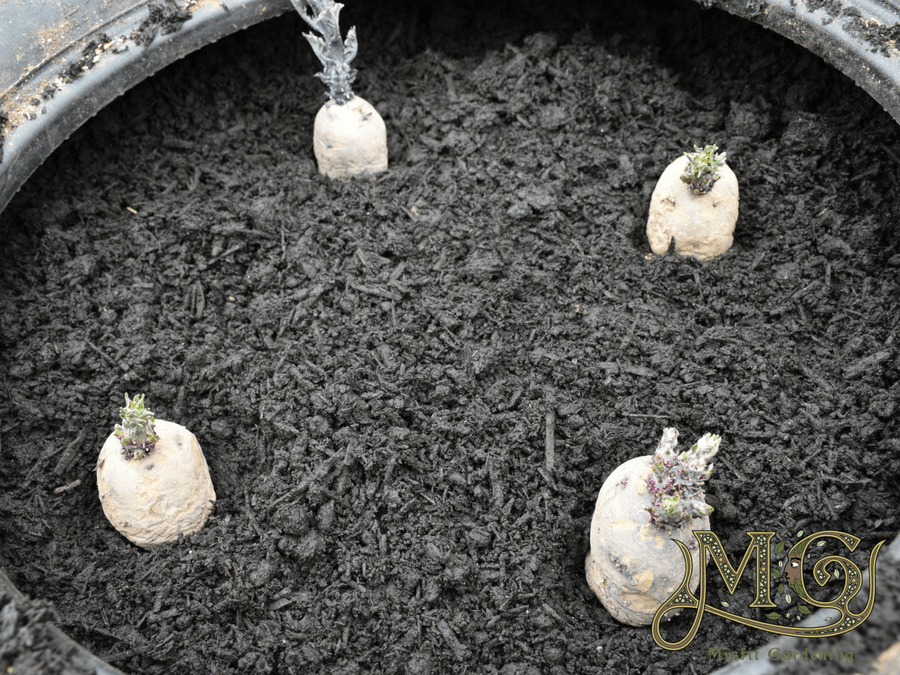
x: 676, y: 482
x: 703, y: 169
x: 137, y: 432
x: 334, y: 53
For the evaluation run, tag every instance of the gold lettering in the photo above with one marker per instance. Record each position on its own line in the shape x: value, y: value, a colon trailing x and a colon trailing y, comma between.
x: 682, y: 598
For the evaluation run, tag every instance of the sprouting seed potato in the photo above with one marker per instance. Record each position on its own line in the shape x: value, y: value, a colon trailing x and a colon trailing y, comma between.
x: 350, y: 140
x: 349, y: 136
x: 153, y: 480
x: 634, y: 566
x: 696, y: 203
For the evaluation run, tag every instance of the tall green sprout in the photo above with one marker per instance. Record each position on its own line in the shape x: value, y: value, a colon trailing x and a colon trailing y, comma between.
x: 334, y: 53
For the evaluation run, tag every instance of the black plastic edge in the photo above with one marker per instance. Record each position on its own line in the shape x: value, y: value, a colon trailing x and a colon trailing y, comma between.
x: 861, y: 38
x: 75, y: 656
x: 111, y: 73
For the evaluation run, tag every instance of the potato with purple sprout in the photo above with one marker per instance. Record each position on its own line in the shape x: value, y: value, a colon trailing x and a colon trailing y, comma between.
x: 694, y: 206
x: 634, y: 566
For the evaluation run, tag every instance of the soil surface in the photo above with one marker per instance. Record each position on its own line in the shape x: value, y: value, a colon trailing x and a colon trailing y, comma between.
x: 410, y: 391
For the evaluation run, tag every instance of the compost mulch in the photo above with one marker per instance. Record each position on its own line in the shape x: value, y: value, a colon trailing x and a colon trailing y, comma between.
x: 409, y: 391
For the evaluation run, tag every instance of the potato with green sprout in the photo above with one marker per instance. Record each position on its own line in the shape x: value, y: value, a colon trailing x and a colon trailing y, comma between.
x: 349, y: 136
x: 695, y: 203
x: 153, y: 479
x: 634, y: 566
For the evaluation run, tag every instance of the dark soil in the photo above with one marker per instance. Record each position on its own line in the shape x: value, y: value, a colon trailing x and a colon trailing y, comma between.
x: 373, y: 369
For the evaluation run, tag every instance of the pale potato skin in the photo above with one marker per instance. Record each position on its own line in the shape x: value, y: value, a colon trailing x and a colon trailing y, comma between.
x: 703, y: 225
x: 153, y: 500
x: 633, y: 567
x: 350, y: 140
